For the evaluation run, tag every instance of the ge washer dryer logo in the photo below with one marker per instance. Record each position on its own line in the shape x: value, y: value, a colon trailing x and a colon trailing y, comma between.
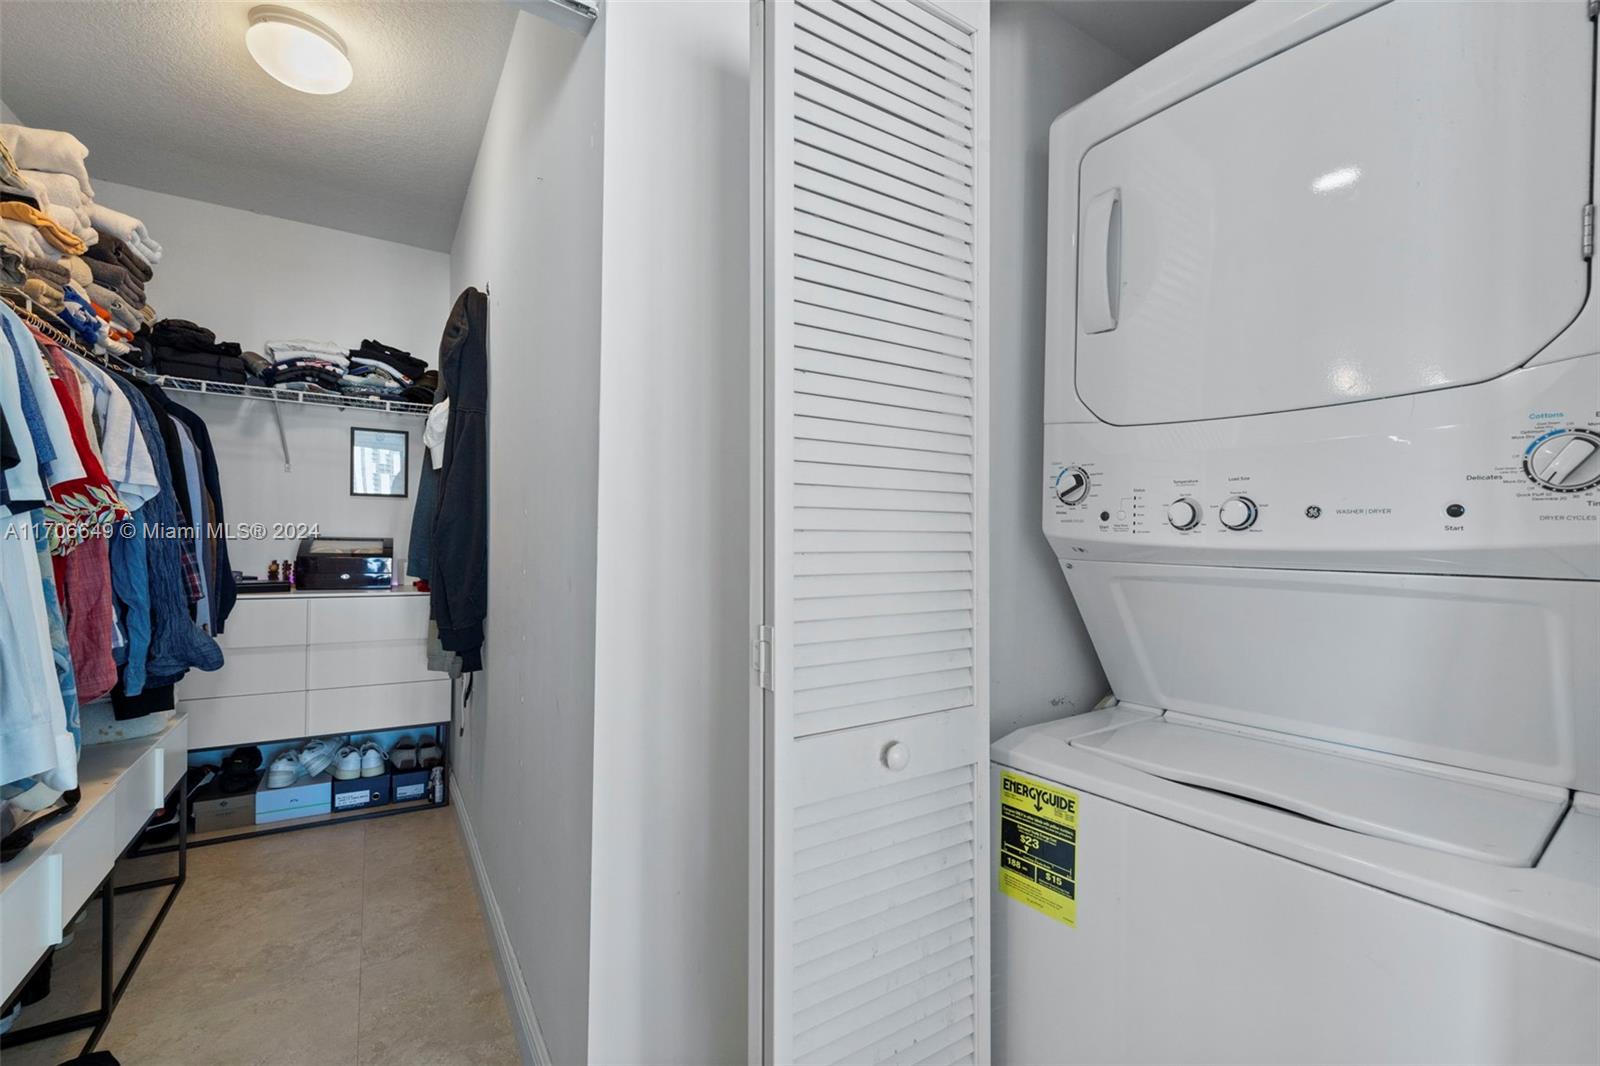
x: 1313, y: 511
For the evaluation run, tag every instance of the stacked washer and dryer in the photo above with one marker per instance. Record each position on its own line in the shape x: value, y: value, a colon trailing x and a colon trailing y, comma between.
x: 1322, y: 469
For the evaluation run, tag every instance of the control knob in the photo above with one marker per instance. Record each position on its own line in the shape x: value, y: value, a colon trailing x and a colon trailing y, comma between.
x: 1569, y: 461
x: 1183, y: 513
x: 1237, y: 512
x: 1072, y: 485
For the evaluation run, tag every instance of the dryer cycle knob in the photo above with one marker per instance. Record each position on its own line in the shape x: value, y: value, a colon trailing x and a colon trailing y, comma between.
x: 1237, y: 512
x: 1072, y: 485
x: 1567, y: 462
x: 1183, y: 514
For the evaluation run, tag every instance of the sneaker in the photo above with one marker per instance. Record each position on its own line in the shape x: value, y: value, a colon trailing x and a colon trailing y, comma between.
x: 429, y: 754
x: 285, y: 769
x: 372, y: 762
x: 316, y: 756
x: 347, y: 763
x: 404, y: 755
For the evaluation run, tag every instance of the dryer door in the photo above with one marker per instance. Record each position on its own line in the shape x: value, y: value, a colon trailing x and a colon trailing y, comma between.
x: 1393, y: 206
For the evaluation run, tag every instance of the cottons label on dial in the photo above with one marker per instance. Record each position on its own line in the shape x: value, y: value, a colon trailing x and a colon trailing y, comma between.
x: 1038, y: 855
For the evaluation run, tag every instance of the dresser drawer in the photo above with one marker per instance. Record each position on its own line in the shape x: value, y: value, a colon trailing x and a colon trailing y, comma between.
x: 229, y: 721
x: 265, y: 623
x: 248, y: 671
x: 356, y: 619
x: 87, y: 851
x: 385, y: 663
x: 372, y: 707
x: 30, y: 919
x: 137, y: 795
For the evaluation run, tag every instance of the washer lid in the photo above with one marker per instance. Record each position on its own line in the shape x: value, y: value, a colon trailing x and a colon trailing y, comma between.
x: 1475, y: 815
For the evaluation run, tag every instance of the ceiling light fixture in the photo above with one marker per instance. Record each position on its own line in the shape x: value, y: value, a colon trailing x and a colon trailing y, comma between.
x: 298, y: 50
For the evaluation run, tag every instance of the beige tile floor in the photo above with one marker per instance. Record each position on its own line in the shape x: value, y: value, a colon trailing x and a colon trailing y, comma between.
x: 361, y: 943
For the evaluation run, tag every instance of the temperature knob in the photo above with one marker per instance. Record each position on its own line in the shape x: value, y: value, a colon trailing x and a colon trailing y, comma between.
x: 1072, y: 485
x: 1566, y: 462
x: 1183, y: 514
x: 1237, y: 512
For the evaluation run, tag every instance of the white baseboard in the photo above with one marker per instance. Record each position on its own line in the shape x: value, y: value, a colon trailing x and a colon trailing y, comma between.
x: 523, y: 1019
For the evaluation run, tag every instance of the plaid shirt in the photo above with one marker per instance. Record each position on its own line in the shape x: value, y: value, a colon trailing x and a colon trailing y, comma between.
x: 191, y: 569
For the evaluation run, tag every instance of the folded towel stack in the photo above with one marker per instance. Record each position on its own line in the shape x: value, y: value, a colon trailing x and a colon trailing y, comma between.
x: 49, y: 219
x: 183, y: 349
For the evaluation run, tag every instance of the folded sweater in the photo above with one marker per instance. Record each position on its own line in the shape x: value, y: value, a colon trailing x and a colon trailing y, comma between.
x: 119, y: 280
x: 49, y: 229
x: 284, y: 350
x: 54, y: 151
x: 113, y: 249
x: 126, y: 228
x: 408, y: 365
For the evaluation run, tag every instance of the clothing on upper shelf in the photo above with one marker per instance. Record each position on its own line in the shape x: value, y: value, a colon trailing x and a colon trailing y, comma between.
x: 424, y: 389
x: 110, y: 248
x: 62, y: 238
x: 459, y: 581
x: 127, y: 229
x: 186, y: 350
x: 376, y: 353
x: 116, y: 278
x: 289, y: 350
x: 53, y: 151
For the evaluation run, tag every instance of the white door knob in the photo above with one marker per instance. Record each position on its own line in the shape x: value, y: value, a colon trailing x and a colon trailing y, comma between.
x: 896, y: 756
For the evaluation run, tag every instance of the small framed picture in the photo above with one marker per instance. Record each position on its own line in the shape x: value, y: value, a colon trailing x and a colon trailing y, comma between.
x: 379, y: 462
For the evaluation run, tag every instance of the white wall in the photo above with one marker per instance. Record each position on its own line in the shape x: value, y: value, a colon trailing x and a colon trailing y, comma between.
x: 1041, y: 664
x: 256, y: 489
x: 250, y: 278
x: 530, y: 231
x: 667, y: 969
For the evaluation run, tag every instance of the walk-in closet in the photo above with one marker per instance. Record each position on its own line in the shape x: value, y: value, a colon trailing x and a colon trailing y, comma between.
x: 245, y: 546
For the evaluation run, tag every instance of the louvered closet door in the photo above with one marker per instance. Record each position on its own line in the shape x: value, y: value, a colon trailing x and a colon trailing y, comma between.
x: 876, y: 724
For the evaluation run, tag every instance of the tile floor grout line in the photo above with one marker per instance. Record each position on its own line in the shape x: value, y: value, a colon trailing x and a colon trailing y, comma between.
x: 361, y: 943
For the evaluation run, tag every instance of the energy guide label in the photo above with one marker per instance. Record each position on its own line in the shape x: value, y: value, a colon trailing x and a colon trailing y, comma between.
x: 1039, y: 846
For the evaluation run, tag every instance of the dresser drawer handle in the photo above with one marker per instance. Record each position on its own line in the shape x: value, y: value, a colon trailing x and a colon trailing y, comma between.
x: 896, y: 756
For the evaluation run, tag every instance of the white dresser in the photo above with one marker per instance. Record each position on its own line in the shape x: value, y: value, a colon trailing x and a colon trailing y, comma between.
x: 314, y: 663
x: 121, y: 785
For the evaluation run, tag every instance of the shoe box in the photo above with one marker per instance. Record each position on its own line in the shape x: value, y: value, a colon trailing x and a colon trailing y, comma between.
x: 419, y: 784
x: 303, y: 798
x: 361, y: 792
x: 214, y: 809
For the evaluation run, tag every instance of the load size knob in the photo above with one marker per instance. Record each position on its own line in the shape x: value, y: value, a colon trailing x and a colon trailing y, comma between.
x: 1072, y: 485
x: 1566, y: 462
x: 1237, y: 512
x: 1183, y: 513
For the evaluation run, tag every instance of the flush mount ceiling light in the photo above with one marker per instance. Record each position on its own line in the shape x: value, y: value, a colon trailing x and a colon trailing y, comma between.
x: 298, y: 50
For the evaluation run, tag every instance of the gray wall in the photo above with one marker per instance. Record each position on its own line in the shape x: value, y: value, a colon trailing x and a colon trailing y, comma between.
x: 1041, y: 664
x: 530, y: 231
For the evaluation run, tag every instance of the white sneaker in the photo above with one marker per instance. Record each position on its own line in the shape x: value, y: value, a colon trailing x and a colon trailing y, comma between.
x: 284, y: 770
x: 347, y: 763
x: 315, y: 756
x: 372, y: 762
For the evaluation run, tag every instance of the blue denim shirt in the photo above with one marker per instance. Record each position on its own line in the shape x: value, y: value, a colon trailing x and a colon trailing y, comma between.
x: 148, y: 542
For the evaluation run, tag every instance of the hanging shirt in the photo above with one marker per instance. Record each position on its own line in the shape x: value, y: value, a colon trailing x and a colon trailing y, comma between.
x: 197, y: 521
x: 123, y: 452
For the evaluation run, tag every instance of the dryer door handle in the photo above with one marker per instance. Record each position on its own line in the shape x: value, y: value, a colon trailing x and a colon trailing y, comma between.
x: 1100, y: 268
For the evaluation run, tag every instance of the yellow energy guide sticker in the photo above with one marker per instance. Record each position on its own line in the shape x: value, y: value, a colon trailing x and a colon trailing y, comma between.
x: 1039, y: 846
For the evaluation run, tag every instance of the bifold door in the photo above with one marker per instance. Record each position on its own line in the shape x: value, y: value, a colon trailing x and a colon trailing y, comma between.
x: 872, y: 884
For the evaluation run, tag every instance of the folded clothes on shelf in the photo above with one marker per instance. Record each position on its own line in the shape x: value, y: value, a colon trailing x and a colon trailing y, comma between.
x: 376, y: 352
x: 113, y: 249
x: 284, y: 351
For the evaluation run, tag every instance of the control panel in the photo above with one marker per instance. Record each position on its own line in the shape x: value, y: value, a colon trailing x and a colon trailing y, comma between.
x: 1499, y: 478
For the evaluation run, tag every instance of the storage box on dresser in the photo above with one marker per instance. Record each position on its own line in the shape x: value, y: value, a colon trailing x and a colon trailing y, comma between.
x: 316, y: 663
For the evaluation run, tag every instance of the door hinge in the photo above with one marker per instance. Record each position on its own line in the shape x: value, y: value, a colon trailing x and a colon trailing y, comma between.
x: 1588, y: 231
x: 762, y: 658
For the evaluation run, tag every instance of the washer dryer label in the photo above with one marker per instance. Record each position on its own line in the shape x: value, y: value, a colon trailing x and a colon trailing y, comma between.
x: 1039, y: 846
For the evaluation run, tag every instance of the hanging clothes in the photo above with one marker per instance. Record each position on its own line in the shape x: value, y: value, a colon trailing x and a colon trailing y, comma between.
x: 459, y: 585
x: 224, y: 589
x: 35, y: 736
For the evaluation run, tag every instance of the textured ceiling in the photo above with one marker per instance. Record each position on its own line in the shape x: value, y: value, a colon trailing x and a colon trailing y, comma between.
x: 166, y: 97
x: 1140, y: 30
